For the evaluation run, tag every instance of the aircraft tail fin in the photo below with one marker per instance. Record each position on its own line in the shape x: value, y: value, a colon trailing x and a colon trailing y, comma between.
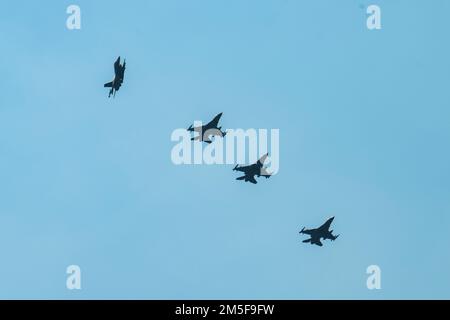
x: 108, y: 85
x: 302, y: 230
x: 234, y: 169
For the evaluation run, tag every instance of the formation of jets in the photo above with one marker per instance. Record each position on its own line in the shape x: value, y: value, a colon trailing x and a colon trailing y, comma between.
x: 212, y: 129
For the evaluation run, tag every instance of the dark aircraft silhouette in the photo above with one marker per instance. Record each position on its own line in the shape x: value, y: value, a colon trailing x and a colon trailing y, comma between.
x: 256, y: 169
x: 322, y: 232
x: 119, y: 71
x: 208, y: 130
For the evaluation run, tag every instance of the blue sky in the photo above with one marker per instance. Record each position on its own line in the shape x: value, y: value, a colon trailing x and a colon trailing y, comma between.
x: 364, y: 132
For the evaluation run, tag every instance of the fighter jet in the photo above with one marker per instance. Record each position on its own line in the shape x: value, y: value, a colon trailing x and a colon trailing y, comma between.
x: 256, y: 169
x: 119, y: 71
x: 208, y: 130
x: 322, y: 232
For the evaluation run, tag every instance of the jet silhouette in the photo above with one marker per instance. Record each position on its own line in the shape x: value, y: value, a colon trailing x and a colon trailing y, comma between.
x: 322, y: 232
x: 119, y: 71
x: 256, y: 169
x: 208, y: 130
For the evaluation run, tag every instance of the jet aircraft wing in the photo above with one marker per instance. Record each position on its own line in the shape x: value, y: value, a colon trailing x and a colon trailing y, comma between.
x: 326, y: 225
x: 252, y: 179
x: 214, y: 122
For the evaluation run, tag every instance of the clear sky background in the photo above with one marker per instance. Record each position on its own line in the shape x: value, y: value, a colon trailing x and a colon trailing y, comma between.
x: 364, y: 129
